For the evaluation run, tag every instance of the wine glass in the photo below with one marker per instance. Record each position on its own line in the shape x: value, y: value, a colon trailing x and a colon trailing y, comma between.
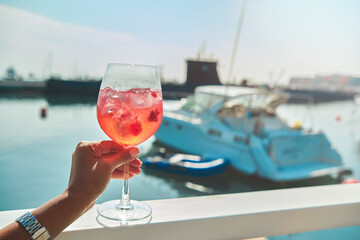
x: 129, y: 111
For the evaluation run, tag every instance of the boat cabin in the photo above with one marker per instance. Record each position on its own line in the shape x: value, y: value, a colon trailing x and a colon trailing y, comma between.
x: 252, y: 110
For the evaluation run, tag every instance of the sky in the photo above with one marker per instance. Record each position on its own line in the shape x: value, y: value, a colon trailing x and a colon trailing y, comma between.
x: 280, y: 39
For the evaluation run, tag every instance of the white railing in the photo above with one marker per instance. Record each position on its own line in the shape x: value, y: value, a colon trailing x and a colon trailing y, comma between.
x: 230, y: 216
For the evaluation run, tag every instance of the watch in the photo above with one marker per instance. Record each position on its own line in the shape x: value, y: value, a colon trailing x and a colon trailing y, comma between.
x: 33, y: 227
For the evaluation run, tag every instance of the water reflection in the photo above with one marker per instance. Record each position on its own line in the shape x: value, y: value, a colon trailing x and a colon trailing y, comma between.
x: 28, y: 142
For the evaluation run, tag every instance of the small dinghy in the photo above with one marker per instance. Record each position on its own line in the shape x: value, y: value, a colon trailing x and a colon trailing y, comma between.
x: 192, y: 165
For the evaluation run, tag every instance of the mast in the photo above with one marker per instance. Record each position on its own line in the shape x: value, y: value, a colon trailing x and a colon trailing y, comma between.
x: 236, y: 42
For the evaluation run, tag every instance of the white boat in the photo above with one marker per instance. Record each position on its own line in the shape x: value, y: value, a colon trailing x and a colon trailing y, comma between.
x: 357, y: 98
x: 240, y: 124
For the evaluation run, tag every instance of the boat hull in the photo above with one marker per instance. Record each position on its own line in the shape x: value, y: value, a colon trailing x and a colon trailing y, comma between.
x: 190, y: 138
x: 281, y: 156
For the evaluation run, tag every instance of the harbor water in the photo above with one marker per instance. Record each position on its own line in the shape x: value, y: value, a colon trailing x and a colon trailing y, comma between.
x: 35, y: 151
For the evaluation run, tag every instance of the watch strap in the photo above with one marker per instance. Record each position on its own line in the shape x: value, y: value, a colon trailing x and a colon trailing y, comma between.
x: 34, y: 227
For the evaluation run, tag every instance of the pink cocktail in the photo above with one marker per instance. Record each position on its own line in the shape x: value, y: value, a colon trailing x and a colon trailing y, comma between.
x: 129, y: 111
x: 129, y: 117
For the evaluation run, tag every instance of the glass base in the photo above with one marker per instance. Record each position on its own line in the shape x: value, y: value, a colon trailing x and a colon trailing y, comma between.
x: 116, y: 223
x: 111, y: 210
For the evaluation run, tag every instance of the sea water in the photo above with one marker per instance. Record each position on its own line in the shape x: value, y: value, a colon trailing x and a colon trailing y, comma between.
x: 35, y: 152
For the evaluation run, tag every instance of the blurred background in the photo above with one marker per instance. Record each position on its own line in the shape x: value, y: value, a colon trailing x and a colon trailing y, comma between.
x: 287, y: 44
x: 77, y: 39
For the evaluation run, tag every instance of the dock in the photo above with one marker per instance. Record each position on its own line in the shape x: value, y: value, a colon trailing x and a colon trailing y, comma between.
x: 22, y: 86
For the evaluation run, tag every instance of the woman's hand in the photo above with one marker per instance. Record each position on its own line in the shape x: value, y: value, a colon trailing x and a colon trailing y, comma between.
x: 95, y: 163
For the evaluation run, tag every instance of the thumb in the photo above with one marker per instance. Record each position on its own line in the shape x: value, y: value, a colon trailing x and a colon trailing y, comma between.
x: 121, y: 158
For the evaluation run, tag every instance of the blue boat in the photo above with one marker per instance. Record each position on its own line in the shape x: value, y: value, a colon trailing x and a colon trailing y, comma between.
x: 72, y: 87
x: 187, y: 164
x: 240, y: 125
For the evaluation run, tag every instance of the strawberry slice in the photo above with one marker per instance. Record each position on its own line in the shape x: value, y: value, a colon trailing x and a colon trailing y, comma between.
x: 153, y: 117
x: 135, y: 128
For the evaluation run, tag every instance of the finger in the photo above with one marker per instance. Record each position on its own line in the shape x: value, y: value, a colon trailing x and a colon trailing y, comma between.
x: 121, y: 158
x: 108, y: 146
x: 133, y: 170
x: 121, y: 175
x: 135, y: 163
x: 86, y: 147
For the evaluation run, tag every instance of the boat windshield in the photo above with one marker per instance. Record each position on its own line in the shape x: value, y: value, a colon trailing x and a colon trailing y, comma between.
x: 258, y: 102
x: 261, y: 101
x: 191, y: 106
x: 201, y: 101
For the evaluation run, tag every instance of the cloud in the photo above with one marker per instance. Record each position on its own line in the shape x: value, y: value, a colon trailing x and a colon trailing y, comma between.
x: 275, y: 38
x: 34, y: 43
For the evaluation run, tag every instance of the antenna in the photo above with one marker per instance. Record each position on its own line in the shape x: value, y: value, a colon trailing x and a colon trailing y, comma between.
x: 47, y: 67
x: 237, y: 38
x: 274, y: 82
x: 201, y: 55
x: 279, y: 77
x: 203, y: 49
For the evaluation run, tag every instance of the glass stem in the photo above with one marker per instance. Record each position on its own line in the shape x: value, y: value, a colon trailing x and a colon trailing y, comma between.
x: 125, y: 203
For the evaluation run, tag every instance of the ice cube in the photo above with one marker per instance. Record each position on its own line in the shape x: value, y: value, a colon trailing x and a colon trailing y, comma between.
x: 108, y: 109
x: 158, y: 99
x: 118, y: 98
x: 149, y: 100
x: 121, y: 112
x: 136, y: 100
x: 107, y: 92
x: 114, y: 98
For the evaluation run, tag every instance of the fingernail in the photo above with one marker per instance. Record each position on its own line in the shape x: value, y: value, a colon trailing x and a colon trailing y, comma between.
x: 134, y: 152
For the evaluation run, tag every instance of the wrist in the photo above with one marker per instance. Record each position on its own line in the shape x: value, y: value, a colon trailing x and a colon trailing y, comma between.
x: 61, y: 211
x: 34, y: 228
x: 80, y: 201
